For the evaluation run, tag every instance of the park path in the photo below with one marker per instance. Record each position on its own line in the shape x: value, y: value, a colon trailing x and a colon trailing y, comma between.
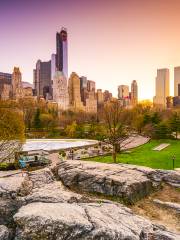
x: 133, y: 142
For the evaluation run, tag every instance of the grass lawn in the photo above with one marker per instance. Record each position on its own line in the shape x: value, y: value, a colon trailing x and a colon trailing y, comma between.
x: 145, y: 156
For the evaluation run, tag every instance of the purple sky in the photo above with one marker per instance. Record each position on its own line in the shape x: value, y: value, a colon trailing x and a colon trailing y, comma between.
x: 110, y: 41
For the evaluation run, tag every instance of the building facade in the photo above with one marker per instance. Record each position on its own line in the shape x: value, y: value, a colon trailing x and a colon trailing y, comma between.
x: 60, y: 90
x: 107, y: 96
x: 17, y: 88
x: 177, y: 81
x: 42, y: 79
x: 134, y: 93
x: 62, y: 51
x: 5, y: 85
x: 123, y: 91
x: 162, y: 87
x: 74, y: 93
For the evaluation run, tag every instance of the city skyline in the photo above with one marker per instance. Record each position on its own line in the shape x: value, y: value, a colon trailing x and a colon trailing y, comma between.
x: 96, y: 49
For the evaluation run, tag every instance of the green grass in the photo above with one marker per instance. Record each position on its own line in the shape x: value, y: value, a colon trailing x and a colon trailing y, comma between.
x: 145, y: 156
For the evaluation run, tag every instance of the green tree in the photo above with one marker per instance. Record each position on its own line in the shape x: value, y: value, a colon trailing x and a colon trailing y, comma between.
x: 37, y: 120
x: 174, y: 123
x: 162, y: 131
x: 47, y: 120
x: 71, y: 130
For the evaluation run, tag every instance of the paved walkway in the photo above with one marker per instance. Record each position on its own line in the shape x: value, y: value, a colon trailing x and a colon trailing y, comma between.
x: 130, y: 143
x: 135, y: 141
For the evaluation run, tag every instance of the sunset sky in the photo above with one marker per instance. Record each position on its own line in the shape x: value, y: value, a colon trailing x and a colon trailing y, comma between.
x: 110, y: 41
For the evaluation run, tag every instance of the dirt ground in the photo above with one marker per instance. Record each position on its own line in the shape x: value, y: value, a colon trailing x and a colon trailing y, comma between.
x: 167, y: 217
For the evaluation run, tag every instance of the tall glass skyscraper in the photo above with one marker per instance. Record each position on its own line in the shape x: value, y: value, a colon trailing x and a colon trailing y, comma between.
x: 62, y: 52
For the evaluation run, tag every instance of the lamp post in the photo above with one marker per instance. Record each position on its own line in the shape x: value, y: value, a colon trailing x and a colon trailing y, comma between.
x: 173, y: 159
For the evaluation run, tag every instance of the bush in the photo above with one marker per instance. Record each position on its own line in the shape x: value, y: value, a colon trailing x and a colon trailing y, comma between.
x: 7, y: 166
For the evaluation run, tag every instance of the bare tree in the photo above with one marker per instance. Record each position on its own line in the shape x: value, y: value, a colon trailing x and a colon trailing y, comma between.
x: 117, y: 133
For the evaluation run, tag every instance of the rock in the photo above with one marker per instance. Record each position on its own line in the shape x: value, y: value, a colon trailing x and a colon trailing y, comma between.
x: 12, y: 184
x: 168, y: 176
x: 163, y: 235
x: 129, y: 183
x: 174, y: 206
x: 82, y: 221
x: 41, y: 177
x: 4, y: 233
x: 52, y: 193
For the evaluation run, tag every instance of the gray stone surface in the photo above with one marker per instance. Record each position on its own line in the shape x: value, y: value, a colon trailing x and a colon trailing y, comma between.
x: 52, y: 193
x: 168, y: 176
x: 11, y: 184
x: 38, y: 207
x: 127, y: 182
x: 163, y: 235
x: 171, y: 205
x: 4, y: 233
x: 83, y: 221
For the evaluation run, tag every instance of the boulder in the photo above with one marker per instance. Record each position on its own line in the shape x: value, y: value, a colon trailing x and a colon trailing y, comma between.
x: 12, y: 184
x: 41, y: 177
x: 129, y: 183
x: 52, y: 193
x: 170, y: 205
x: 4, y: 233
x: 83, y: 221
x: 170, y: 177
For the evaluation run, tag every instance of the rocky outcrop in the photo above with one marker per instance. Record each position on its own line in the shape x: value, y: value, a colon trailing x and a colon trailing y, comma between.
x: 129, y: 183
x: 36, y: 206
x: 168, y: 176
x: 170, y: 205
x: 53, y: 193
x: 4, y: 233
x: 82, y: 221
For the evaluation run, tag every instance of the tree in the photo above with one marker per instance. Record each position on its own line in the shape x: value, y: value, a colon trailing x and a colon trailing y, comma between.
x: 71, y: 129
x: 47, y: 120
x: 37, y: 121
x: 175, y: 123
x: 116, y: 132
x: 162, y: 131
x: 11, y: 133
x: 28, y: 108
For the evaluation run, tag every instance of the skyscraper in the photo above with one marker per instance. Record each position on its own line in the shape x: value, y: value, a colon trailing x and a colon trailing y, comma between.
x: 53, y: 65
x: 60, y: 90
x: 134, y: 92
x: 62, y: 52
x: 83, y: 89
x: 123, y: 91
x: 42, y: 79
x: 177, y: 81
x: 74, y: 92
x: 17, y: 89
x: 162, y: 87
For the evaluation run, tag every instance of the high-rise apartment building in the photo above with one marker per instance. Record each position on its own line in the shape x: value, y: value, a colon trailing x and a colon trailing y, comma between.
x: 100, y: 97
x: 60, y: 90
x: 17, y: 89
x: 162, y: 87
x: 91, y: 86
x: 62, y: 51
x: 53, y: 66
x: 123, y: 91
x: 107, y: 95
x: 42, y: 79
x: 134, y: 92
x: 74, y: 92
x: 83, y: 89
x: 177, y: 81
